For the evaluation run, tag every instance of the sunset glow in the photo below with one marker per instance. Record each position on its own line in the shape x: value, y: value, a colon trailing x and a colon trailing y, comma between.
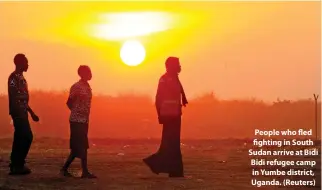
x: 160, y: 94
x: 222, y: 46
x: 117, y: 26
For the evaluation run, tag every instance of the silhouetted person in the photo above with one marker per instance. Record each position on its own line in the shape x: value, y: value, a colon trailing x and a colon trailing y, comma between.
x: 18, y: 109
x: 79, y: 103
x: 169, y: 100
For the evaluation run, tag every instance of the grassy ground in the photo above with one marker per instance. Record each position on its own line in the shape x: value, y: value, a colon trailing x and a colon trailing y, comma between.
x: 210, y: 165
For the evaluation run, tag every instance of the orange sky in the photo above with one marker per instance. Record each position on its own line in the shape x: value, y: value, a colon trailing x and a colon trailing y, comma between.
x: 237, y: 49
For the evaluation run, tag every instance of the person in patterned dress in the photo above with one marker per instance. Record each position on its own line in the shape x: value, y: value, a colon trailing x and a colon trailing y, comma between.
x: 79, y: 103
x: 18, y: 96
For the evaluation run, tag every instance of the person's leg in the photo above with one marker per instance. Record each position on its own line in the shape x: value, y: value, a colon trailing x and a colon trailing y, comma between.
x: 84, y: 163
x: 20, y: 148
x: 84, y: 146
x: 86, y: 173
x: 27, y: 140
x: 14, y: 157
x: 68, y: 162
x: 72, y: 155
x: 64, y: 169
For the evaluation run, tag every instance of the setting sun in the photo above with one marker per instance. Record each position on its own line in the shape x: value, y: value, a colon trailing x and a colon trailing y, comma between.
x: 132, y: 53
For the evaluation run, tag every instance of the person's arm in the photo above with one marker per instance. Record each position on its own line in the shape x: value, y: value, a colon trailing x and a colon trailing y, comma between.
x: 159, y: 95
x: 30, y: 110
x: 32, y: 113
x: 72, y: 96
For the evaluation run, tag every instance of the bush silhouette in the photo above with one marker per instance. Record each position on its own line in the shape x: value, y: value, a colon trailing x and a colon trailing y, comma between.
x: 134, y: 116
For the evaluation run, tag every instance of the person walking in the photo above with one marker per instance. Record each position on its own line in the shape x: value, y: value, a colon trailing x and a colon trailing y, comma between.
x: 79, y: 103
x: 19, y: 108
x: 169, y: 100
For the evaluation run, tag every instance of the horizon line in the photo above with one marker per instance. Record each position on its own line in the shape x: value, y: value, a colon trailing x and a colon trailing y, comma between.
x: 201, y: 95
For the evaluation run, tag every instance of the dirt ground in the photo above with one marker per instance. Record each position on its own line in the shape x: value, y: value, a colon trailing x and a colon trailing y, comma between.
x: 220, y: 165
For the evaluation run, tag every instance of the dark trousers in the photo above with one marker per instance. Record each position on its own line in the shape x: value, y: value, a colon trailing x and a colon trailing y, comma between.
x: 168, y: 158
x: 21, y: 142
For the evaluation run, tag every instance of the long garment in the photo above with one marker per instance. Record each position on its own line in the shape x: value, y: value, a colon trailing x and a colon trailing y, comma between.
x: 168, y: 159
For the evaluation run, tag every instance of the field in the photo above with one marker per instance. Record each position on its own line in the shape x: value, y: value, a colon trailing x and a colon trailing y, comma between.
x: 216, y: 164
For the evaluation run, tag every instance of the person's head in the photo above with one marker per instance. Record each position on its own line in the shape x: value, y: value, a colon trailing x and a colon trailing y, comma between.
x: 85, y: 72
x: 21, y: 62
x: 172, y: 65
